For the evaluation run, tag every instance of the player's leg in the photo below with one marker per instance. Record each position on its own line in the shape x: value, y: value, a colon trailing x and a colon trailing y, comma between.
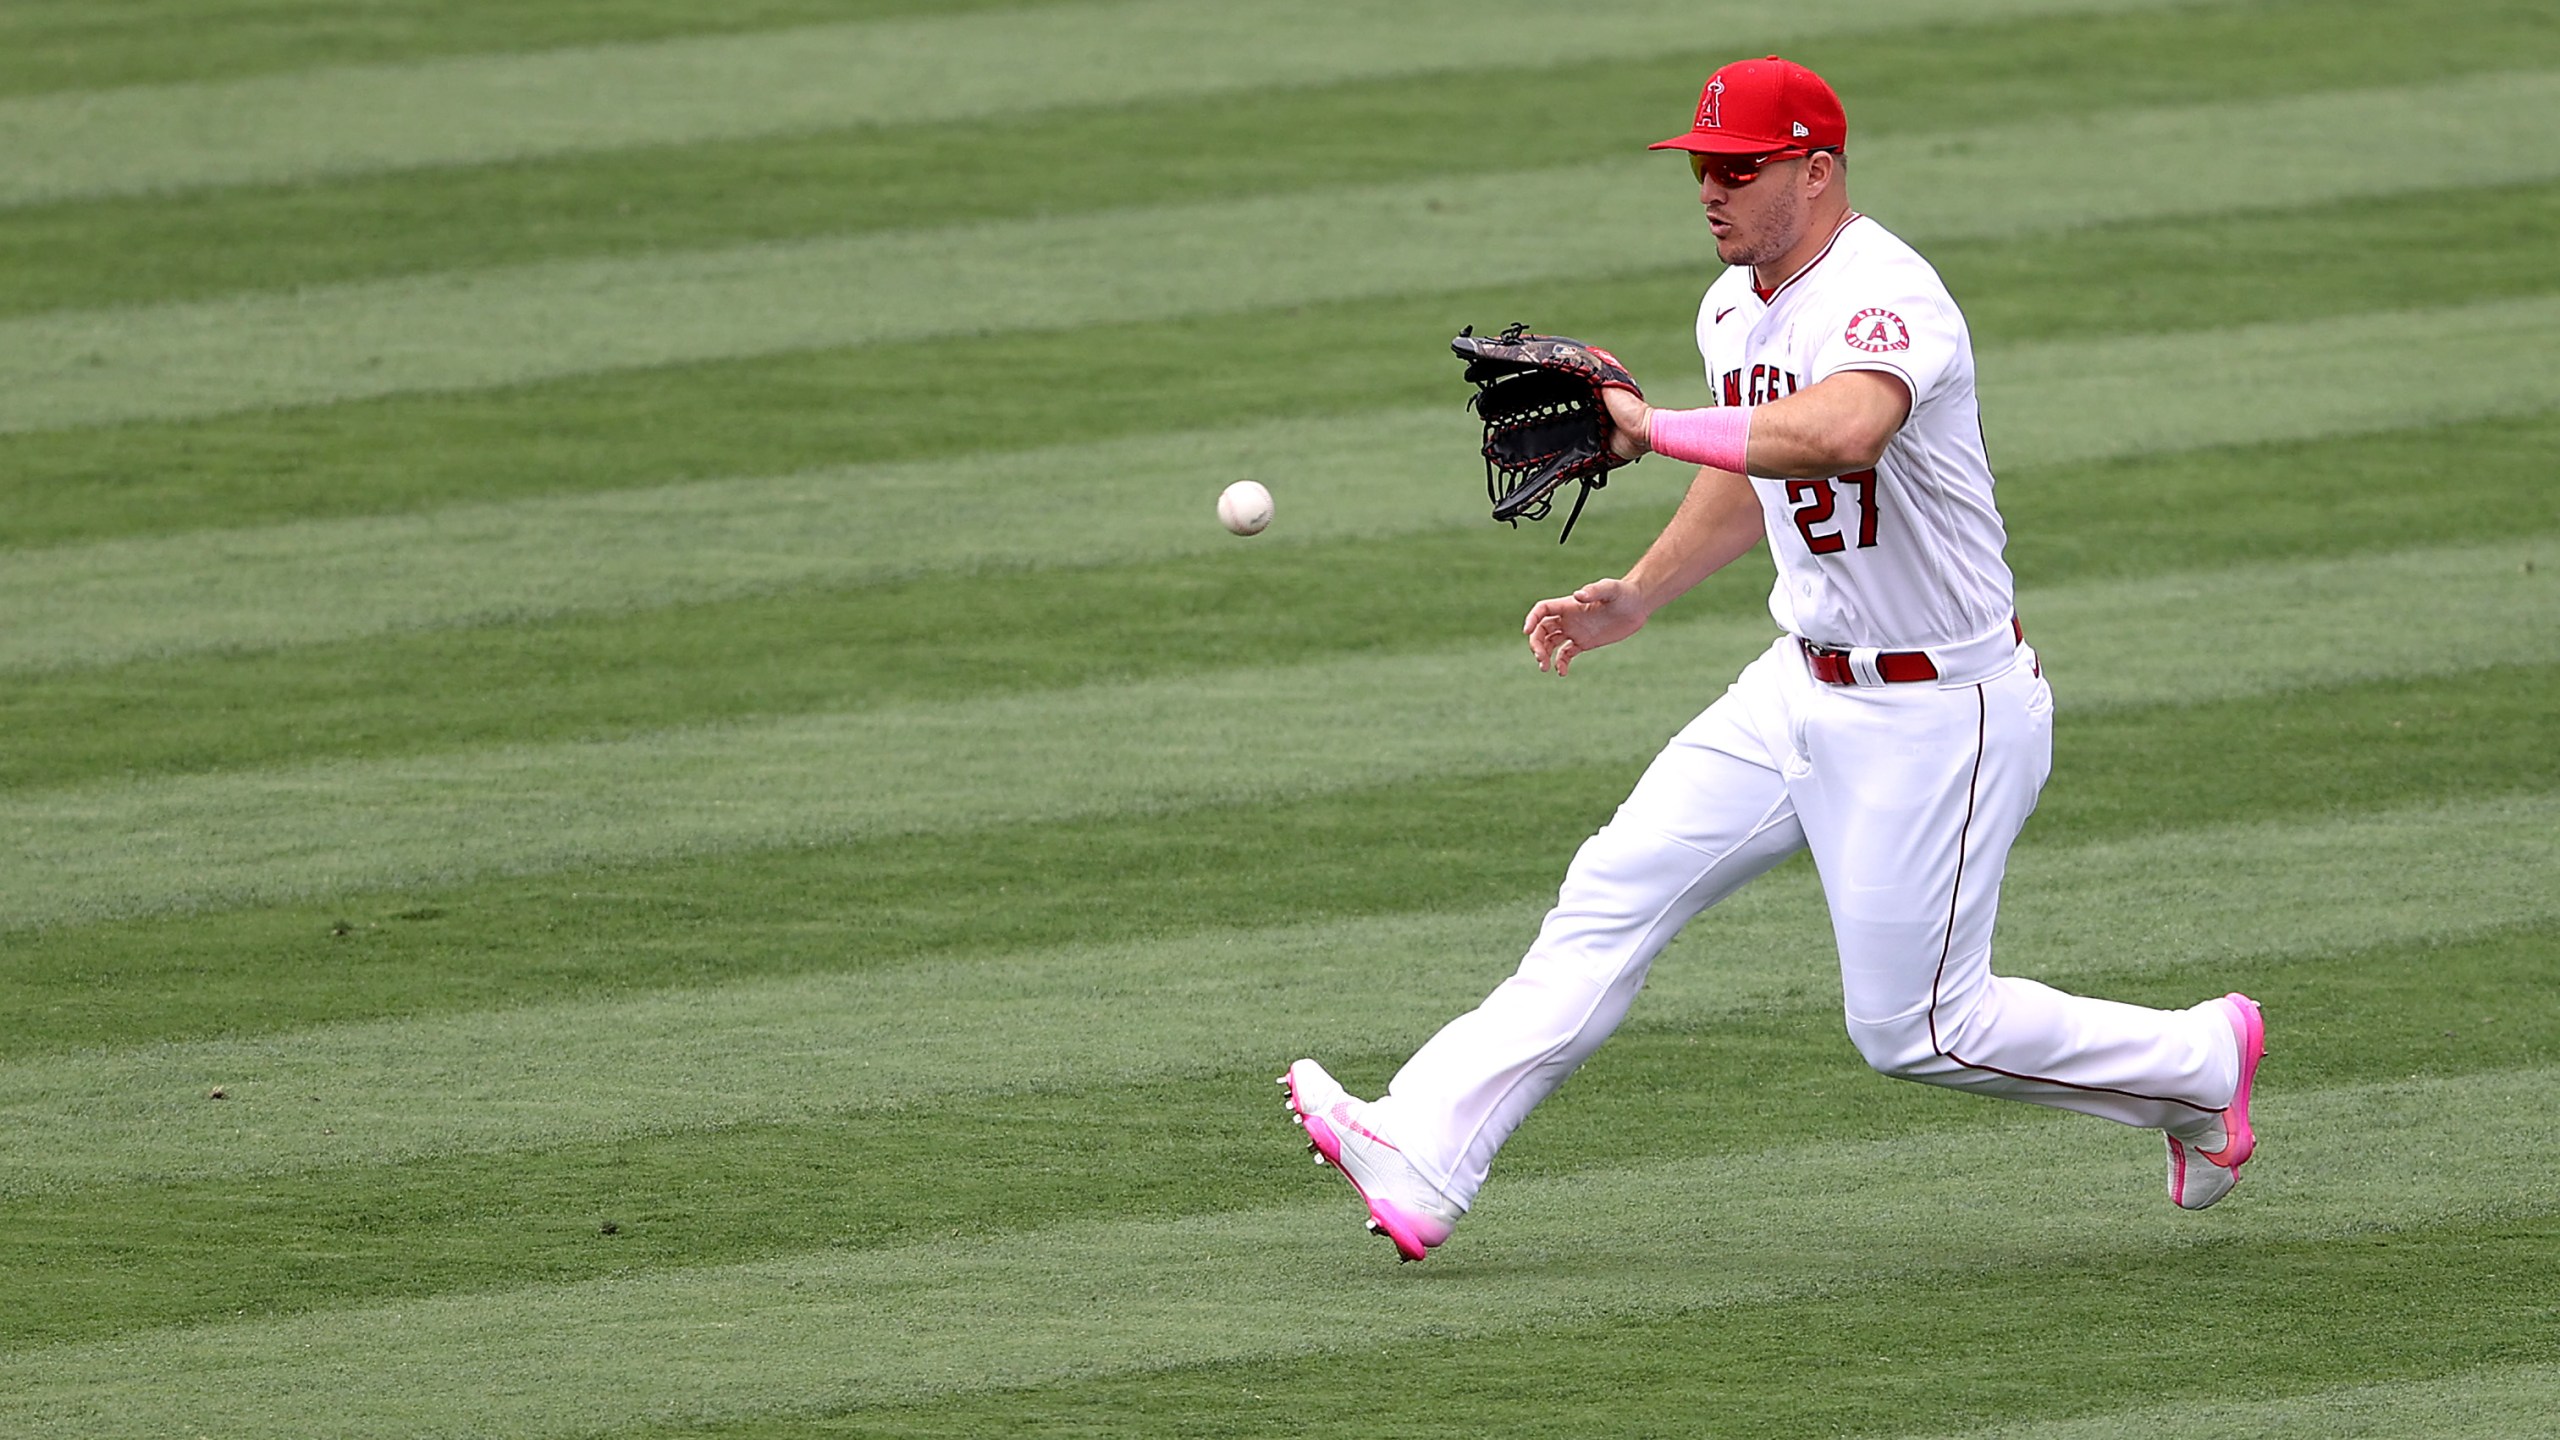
x: 1911, y: 800
x: 1709, y: 815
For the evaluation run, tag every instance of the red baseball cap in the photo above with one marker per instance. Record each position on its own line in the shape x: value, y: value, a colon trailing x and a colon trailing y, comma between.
x: 1764, y: 107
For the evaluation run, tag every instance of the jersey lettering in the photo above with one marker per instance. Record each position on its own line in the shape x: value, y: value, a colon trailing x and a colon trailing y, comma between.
x: 1767, y: 383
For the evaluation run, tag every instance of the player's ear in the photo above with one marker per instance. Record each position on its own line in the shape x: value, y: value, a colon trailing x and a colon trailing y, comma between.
x: 1822, y: 171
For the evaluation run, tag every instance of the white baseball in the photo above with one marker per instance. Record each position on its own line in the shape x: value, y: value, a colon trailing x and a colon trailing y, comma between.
x: 1245, y: 507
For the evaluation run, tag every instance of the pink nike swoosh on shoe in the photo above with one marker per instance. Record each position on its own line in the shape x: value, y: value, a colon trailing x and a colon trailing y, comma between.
x: 2194, y: 1182
x: 1415, y: 1236
x: 1338, y: 1138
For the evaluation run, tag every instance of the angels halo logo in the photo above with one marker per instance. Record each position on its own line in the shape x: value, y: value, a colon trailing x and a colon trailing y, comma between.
x: 1876, y: 331
x: 1711, y: 106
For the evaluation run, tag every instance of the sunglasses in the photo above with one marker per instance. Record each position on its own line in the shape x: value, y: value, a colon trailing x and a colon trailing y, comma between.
x: 1734, y: 171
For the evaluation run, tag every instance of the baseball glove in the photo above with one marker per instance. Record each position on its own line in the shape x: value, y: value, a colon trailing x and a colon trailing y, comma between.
x: 1544, y: 420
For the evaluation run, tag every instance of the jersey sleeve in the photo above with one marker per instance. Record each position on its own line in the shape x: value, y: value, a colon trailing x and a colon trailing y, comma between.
x: 1706, y: 334
x: 1901, y: 330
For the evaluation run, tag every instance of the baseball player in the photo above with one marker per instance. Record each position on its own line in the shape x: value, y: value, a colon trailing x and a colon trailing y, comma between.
x: 1899, y: 729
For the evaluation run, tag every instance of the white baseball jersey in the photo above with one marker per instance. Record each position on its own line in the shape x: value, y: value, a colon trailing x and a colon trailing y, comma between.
x: 1906, y: 555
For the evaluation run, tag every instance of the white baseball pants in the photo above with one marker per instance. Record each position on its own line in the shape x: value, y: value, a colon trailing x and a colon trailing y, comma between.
x: 1909, y: 797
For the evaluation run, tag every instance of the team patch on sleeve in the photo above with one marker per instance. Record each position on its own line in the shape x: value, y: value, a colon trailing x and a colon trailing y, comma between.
x: 1877, y: 331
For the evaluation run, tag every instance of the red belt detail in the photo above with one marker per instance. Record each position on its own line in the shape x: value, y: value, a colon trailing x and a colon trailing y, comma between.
x: 1895, y: 667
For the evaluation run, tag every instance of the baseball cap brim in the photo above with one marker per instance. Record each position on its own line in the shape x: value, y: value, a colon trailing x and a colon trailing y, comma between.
x: 1724, y: 142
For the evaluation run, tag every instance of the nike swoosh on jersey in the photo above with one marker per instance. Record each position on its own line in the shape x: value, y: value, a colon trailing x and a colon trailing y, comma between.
x: 1723, y: 313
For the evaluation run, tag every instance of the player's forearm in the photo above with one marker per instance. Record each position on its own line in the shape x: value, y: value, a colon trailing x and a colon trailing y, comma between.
x: 1818, y: 432
x: 1840, y: 425
x: 1718, y: 523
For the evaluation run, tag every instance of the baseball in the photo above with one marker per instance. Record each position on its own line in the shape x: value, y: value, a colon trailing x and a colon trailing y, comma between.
x: 1245, y: 507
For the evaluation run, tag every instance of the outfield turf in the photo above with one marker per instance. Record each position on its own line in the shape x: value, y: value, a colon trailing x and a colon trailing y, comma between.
x: 642, y: 800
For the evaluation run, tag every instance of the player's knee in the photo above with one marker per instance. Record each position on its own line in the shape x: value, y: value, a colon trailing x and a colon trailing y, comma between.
x: 1620, y: 869
x: 1899, y: 1048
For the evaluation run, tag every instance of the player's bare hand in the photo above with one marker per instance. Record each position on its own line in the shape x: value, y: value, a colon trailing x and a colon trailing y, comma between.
x: 1603, y: 612
x: 1629, y: 421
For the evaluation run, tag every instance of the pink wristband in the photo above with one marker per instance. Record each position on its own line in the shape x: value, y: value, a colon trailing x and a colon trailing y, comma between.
x: 1719, y: 435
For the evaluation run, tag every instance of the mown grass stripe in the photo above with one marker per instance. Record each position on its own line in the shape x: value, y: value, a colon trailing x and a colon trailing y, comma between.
x: 828, y: 1330
x: 2492, y: 1402
x: 130, y: 250
x: 478, y: 109
x: 516, y: 324
x: 52, y: 46
x: 822, y: 1044
x: 2064, y: 400
x: 1455, y: 842
x: 101, y: 1261
x: 786, y: 414
x: 103, y: 850
x: 1146, y: 498
x: 599, y: 676
x: 2090, y: 1340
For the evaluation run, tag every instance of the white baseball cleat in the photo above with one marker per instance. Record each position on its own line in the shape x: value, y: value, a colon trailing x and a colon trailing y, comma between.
x: 2199, y: 1175
x: 2195, y: 1182
x: 1403, y: 1206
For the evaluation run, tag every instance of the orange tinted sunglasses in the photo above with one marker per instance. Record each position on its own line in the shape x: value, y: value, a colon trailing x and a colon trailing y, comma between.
x: 1735, y: 171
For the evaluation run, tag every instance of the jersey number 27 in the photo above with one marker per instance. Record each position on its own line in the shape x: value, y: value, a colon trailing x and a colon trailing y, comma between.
x: 1813, y: 500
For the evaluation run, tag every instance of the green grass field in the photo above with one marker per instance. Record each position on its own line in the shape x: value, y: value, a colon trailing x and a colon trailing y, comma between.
x: 641, y: 798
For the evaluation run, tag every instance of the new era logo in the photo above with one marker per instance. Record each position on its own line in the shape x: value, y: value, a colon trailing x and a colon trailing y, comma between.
x: 1801, y: 132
